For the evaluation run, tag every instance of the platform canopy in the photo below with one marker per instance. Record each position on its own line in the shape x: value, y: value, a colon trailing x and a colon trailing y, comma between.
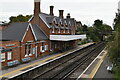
x: 67, y: 37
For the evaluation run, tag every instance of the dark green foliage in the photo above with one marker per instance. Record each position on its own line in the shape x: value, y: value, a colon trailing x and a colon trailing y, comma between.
x: 117, y: 21
x: 93, y: 34
x: 20, y: 18
x: 117, y: 73
x: 98, y: 23
x: 114, y: 47
x: 97, y: 31
x: 82, y: 29
x: 85, y: 28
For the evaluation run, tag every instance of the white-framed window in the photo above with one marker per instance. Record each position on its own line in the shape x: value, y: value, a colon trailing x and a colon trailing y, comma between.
x: 34, y: 50
x: 9, y: 55
x: 64, y: 31
x: 2, y: 57
x: 53, y: 30
x: 31, y: 50
x: 46, y: 47
x: 26, y: 50
x: 42, y: 48
x: 59, y: 30
x: 68, y: 31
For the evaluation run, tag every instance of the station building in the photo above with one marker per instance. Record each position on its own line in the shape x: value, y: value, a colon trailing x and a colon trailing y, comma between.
x: 43, y: 34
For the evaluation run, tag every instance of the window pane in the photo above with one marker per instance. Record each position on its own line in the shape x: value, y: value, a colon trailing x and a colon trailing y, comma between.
x: 33, y: 50
x: 2, y: 57
x: 9, y: 56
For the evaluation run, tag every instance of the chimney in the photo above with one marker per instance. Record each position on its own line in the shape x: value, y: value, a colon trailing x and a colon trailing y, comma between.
x: 51, y: 10
x: 61, y: 13
x: 37, y: 7
x: 68, y: 15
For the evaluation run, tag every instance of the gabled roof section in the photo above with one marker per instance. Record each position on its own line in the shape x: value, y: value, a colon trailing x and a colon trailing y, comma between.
x: 15, y: 31
x: 39, y: 34
x: 54, y: 20
x: 44, y: 16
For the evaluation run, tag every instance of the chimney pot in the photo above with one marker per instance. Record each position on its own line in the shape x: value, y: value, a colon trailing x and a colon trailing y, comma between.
x: 51, y: 10
x: 61, y: 13
x: 68, y: 15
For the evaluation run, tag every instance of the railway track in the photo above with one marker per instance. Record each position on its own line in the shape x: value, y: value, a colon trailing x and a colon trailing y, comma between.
x: 86, y: 59
x: 64, y: 69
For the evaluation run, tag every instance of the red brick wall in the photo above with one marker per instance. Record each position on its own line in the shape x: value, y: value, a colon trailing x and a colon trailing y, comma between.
x: 15, y: 51
x: 29, y: 36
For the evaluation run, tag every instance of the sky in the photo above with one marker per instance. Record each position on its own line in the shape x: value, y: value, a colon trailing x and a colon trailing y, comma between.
x: 86, y: 11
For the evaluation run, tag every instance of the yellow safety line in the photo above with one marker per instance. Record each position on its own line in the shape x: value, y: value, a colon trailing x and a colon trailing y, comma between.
x: 9, y: 73
x: 4, y: 75
x: 94, y: 71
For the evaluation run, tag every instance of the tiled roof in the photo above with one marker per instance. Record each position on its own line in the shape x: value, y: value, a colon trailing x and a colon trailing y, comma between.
x: 16, y: 31
x: 40, y: 35
x: 49, y: 19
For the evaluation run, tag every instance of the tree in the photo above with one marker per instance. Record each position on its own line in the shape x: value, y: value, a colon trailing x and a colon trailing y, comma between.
x: 98, y: 23
x: 85, y: 28
x: 97, y: 31
x: 114, y: 47
x: 93, y: 34
x: 116, y: 21
x: 20, y: 18
x: 13, y: 19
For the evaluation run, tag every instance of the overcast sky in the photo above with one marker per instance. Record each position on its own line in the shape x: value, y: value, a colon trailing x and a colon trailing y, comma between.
x: 85, y: 11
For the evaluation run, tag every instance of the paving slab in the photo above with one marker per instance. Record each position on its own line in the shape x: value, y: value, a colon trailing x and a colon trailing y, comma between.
x: 102, y: 71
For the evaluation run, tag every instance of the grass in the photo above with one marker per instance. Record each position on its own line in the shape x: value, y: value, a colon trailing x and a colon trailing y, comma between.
x: 117, y: 73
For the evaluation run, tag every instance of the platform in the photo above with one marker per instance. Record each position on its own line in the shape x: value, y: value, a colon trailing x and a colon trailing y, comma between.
x: 97, y: 68
x: 10, y: 72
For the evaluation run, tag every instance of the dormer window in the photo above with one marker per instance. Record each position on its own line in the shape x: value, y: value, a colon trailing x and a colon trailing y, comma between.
x: 69, y: 23
x: 68, y: 31
x: 60, y: 22
x: 59, y: 30
x: 56, y: 24
x: 66, y: 25
x: 64, y: 31
x: 65, y: 22
x: 50, y: 23
x: 53, y: 29
x: 54, y: 21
